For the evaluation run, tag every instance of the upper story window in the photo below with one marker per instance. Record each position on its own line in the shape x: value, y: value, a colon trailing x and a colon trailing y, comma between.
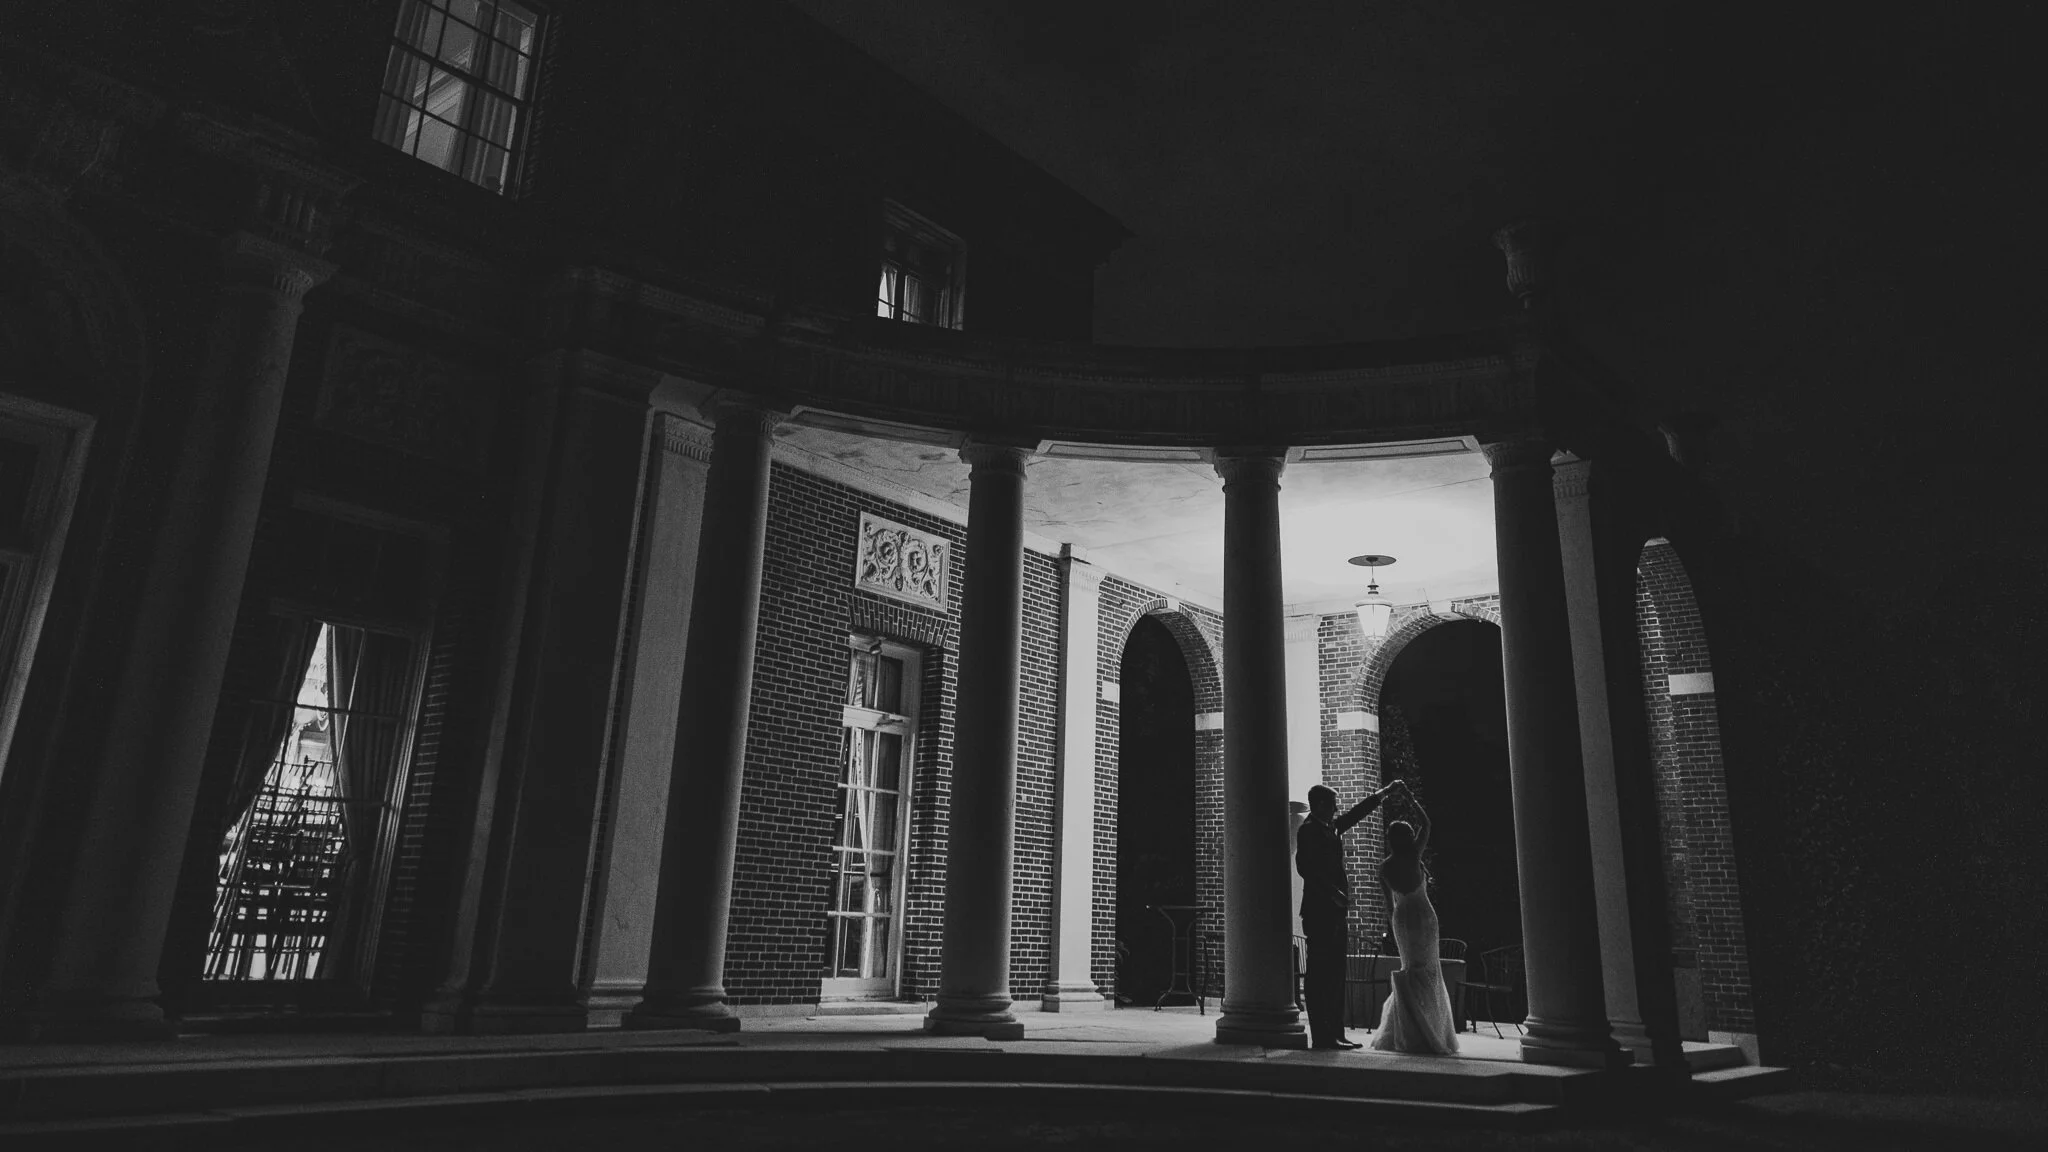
x: 923, y: 271
x: 458, y: 85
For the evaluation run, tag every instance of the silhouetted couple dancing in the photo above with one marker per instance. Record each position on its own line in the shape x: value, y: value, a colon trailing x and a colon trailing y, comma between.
x: 1417, y: 1014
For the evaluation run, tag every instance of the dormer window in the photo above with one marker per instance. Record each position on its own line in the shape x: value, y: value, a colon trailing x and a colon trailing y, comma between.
x: 923, y: 271
x: 458, y: 86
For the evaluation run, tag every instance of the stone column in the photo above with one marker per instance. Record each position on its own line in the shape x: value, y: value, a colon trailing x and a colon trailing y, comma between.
x: 1258, y: 993
x: 515, y: 966
x: 629, y: 859
x: 1070, y: 981
x: 686, y: 962
x: 974, y: 964
x: 1567, y: 1021
x: 146, y: 773
x: 1601, y: 541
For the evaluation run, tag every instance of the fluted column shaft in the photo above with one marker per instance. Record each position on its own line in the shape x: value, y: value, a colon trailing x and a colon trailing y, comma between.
x: 146, y: 777
x: 686, y: 964
x: 981, y: 830
x: 1567, y: 1021
x: 1601, y: 538
x: 1258, y: 993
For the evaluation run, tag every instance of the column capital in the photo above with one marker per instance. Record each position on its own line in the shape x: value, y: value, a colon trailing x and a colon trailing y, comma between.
x: 1082, y: 572
x: 1518, y: 451
x: 1571, y: 477
x: 1255, y: 465
x: 684, y: 438
x: 257, y: 261
x: 994, y: 456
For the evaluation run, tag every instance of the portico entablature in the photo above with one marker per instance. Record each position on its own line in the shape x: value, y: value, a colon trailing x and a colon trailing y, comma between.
x: 889, y: 380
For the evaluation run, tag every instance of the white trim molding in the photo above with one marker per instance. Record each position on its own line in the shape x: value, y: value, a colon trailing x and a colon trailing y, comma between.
x: 1357, y: 721
x: 1690, y: 683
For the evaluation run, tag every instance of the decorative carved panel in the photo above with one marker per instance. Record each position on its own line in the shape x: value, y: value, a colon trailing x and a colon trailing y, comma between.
x: 392, y: 394
x: 902, y: 563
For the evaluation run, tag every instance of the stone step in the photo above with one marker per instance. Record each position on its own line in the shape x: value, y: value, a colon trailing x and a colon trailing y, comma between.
x: 870, y: 1008
x: 1747, y: 1080
x: 281, y: 1121
x: 86, y: 1091
x: 1703, y: 1057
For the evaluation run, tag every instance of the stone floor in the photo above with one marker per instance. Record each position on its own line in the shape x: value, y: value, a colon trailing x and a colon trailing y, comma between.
x: 1128, y: 1078
x: 1780, y: 1123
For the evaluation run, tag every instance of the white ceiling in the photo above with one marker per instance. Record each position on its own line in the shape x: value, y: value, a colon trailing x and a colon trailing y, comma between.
x: 1161, y: 524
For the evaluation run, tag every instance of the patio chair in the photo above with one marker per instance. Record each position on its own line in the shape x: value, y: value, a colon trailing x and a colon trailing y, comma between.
x: 1369, y: 980
x: 1500, y: 976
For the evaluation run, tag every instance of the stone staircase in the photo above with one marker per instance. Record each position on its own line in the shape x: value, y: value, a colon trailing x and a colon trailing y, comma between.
x: 406, y: 1080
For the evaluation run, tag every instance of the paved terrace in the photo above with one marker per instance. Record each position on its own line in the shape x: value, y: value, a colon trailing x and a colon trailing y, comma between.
x: 215, y: 1088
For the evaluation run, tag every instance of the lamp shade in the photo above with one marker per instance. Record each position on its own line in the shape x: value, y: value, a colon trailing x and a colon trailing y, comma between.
x: 1375, y: 612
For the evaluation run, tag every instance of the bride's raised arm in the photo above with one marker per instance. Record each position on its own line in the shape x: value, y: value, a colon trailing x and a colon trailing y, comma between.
x: 1421, y: 818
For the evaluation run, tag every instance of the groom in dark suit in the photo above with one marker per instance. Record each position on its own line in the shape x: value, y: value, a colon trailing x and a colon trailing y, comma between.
x: 1325, y: 906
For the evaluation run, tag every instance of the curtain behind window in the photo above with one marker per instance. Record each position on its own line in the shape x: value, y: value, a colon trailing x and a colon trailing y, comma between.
x: 280, y: 649
x: 371, y: 674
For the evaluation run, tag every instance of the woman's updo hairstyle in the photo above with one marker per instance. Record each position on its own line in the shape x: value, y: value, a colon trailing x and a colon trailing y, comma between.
x: 1400, y: 837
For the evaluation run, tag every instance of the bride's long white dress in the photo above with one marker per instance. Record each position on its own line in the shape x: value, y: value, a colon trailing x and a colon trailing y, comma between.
x: 1417, y: 1015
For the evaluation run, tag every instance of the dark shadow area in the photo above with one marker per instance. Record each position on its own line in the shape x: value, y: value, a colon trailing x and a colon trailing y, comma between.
x: 1804, y: 1120
x: 1155, y: 823
x: 1447, y: 687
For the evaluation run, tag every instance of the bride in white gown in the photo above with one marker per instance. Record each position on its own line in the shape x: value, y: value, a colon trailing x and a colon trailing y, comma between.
x: 1417, y: 1014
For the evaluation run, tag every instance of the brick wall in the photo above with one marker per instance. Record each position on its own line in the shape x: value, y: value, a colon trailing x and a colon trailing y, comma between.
x: 775, y: 951
x: 1351, y: 672
x: 1704, y: 906
x: 1199, y: 632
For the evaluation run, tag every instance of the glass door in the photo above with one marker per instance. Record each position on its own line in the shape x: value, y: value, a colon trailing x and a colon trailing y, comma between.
x: 862, y: 938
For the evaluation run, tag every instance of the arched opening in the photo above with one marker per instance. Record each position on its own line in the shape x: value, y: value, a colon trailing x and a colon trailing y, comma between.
x: 1709, y: 954
x: 1443, y: 719
x: 1155, y: 822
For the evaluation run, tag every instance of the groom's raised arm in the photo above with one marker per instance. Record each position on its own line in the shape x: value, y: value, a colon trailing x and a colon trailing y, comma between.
x: 1361, y: 810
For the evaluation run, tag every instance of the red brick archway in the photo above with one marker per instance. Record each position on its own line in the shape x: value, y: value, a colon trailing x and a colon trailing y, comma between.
x: 1355, y: 768
x: 1710, y: 956
x: 1198, y: 634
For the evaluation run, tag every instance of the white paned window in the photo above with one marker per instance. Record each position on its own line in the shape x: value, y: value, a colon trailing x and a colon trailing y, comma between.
x: 924, y: 270
x: 457, y: 87
x: 880, y: 718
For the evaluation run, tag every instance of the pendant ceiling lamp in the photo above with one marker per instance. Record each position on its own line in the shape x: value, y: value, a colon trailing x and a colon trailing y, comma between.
x: 1375, y: 611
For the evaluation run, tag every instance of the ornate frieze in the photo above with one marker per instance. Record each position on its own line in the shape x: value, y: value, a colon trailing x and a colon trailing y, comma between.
x: 902, y: 563
x: 392, y: 394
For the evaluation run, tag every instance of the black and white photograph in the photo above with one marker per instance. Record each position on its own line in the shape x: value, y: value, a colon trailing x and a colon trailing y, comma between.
x: 1001, y: 574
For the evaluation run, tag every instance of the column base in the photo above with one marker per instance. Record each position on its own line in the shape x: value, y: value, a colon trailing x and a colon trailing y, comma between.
x: 986, y: 1016
x: 1572, y: 1045
x: 608, y: 1002
x: 1636, y: 1040
x: 1264, y: 1027
x: 1074, y: 998
x: 699, y: 1013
